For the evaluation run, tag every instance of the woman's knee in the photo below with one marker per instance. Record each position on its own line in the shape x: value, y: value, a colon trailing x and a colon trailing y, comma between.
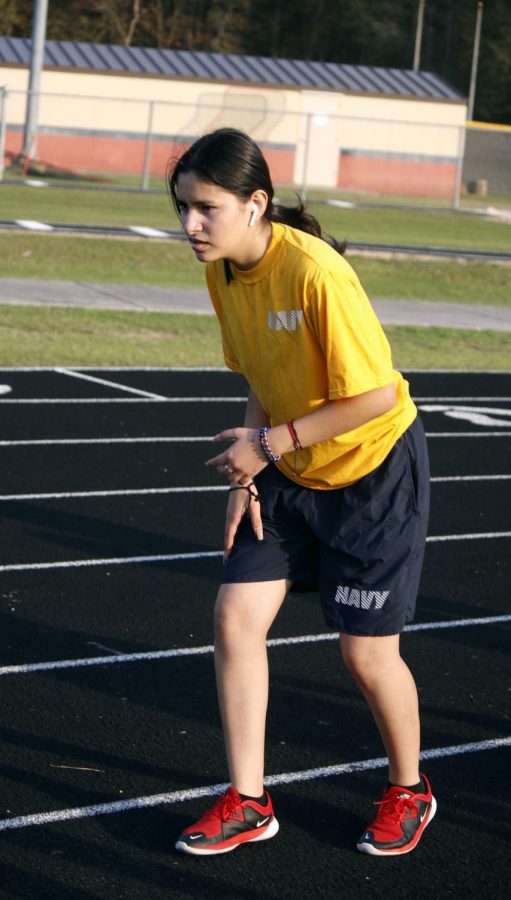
x: 367, y: 658
x: 246, y: 611
x: 227, y: 622
x: 356, y: 663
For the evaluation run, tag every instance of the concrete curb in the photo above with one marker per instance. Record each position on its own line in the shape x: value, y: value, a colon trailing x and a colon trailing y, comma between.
x: 196, y: 300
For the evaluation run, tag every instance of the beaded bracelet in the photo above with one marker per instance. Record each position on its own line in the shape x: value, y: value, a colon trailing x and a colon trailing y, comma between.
x: 265, y: 447
x: 294, y: 437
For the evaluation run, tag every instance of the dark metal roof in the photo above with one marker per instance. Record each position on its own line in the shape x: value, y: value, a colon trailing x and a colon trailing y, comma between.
x: 227, y: 67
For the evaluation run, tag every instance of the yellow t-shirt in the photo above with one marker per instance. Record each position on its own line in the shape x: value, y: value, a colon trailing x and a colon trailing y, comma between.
x: 300, y: 328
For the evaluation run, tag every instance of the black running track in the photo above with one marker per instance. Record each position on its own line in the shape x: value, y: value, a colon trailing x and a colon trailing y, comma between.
x: 111, y: 534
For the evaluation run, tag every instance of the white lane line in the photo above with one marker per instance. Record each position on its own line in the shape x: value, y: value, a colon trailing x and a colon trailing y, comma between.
x: 343, y: 204
x: 499, y: 399
x: 486, y: 416
x: 190, y: 439
x: 148, y: 397
x: 112, y: 561
x: 458, y: 623
x: 131, y: 492
x: 418, y: 400
x: 172, y: 557
x: 144, y: 802
x: 47, y: 442
x: 492, y: 372
x: 113, y: 384
x: 462, y: 434
x: 444, y: 478
x: 180, y: 652
x: 148, y: 232
x: 177, y: 439
x: 32, y: 225
x: 444, y: 407
x: 94, y: 400
x: 477, y: 536
x: 381, y: 762
x: 206, y: 369
x: 70, y: 495
x: 503, y: 373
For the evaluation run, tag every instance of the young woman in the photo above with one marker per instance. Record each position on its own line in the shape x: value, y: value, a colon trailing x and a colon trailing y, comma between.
x: 329, y: 482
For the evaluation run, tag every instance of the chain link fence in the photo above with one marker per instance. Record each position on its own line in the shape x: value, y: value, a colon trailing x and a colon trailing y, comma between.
x: 487, y: 161
x: 129, y: 142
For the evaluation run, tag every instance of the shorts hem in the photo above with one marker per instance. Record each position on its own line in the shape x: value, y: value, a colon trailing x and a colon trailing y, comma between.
x: 357, y: 632
x: 364, y: 634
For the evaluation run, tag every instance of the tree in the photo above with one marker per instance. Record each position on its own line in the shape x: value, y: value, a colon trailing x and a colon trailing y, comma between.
x: 361, y: 32
x: 15, y: 18
x: 118, y: 19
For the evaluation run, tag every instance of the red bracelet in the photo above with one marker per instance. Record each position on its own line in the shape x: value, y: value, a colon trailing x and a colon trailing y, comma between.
x: 294, y: 437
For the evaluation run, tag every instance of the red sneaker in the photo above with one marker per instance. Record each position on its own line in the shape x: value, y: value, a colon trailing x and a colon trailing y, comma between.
x: 401, y: 819
x: 229, y: 823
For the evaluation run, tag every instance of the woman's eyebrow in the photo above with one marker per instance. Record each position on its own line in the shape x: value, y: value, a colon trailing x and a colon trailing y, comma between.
x: 197, y: 201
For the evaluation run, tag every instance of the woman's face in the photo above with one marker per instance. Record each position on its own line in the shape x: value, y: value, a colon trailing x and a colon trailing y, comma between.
x: 215, y: 221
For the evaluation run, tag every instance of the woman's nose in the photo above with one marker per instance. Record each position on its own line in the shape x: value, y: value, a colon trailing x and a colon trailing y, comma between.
x: 191, y: 221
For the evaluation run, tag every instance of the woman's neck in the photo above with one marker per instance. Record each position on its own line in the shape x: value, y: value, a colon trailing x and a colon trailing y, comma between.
x: 256, y: 250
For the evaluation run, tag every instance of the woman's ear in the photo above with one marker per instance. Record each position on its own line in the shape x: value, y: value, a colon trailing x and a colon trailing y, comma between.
x: 258, y: 205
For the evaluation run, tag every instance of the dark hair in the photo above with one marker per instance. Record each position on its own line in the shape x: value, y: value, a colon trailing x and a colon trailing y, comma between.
x: 232, y: 160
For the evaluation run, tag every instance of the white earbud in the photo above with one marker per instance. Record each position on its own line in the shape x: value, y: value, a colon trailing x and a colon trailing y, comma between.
x: 253, y: 216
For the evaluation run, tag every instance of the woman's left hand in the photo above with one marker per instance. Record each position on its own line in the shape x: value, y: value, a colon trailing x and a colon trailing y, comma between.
x: 243, y: 459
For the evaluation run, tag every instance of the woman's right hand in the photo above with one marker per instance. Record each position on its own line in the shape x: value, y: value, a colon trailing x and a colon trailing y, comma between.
x: 240, y: 501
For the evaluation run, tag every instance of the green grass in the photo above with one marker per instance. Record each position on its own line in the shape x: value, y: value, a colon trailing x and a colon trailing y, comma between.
x: 448, y: 281
x: 87, y: 207
x: 167, y: 263
x: 283, y: 192
x: 411, y: 227
x: 49, y: 336
x: 468, y: 202
x: 448, y: 348
x: 87, y: 180
x: 101, y: 207
x: 99, y: 259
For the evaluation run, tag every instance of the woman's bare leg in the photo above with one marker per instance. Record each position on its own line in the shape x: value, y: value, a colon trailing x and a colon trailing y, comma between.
x: 243, y: 616
x: 389, y: 688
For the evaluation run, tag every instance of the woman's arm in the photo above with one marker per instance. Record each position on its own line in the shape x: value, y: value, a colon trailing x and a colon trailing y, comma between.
x: 245, y: 459
x: 334, y: 418
x: 255, y: 415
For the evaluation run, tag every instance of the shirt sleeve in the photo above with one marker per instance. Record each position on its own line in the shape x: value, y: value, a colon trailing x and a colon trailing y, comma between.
x: 356, y: 351
x: 229, y: 355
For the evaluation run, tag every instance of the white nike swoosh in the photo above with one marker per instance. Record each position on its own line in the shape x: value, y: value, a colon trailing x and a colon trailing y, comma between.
x: 263, y: 821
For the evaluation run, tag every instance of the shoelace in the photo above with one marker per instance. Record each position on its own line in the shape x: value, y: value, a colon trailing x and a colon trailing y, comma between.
x: 228, y: 808
x: 397, y: 807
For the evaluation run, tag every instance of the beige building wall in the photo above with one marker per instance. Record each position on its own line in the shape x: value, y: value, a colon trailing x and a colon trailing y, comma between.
x: 317, y: 127
x: 121, y: 103
x: 425, y: 128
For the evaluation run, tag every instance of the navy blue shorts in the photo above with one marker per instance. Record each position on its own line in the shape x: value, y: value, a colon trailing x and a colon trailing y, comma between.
x: 361, y: 546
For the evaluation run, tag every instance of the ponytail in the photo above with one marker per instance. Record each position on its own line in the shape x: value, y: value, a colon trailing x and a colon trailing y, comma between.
x: 298, y: 217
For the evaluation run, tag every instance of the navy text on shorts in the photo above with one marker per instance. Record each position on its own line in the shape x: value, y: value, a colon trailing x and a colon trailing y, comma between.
x: 362, y: 546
